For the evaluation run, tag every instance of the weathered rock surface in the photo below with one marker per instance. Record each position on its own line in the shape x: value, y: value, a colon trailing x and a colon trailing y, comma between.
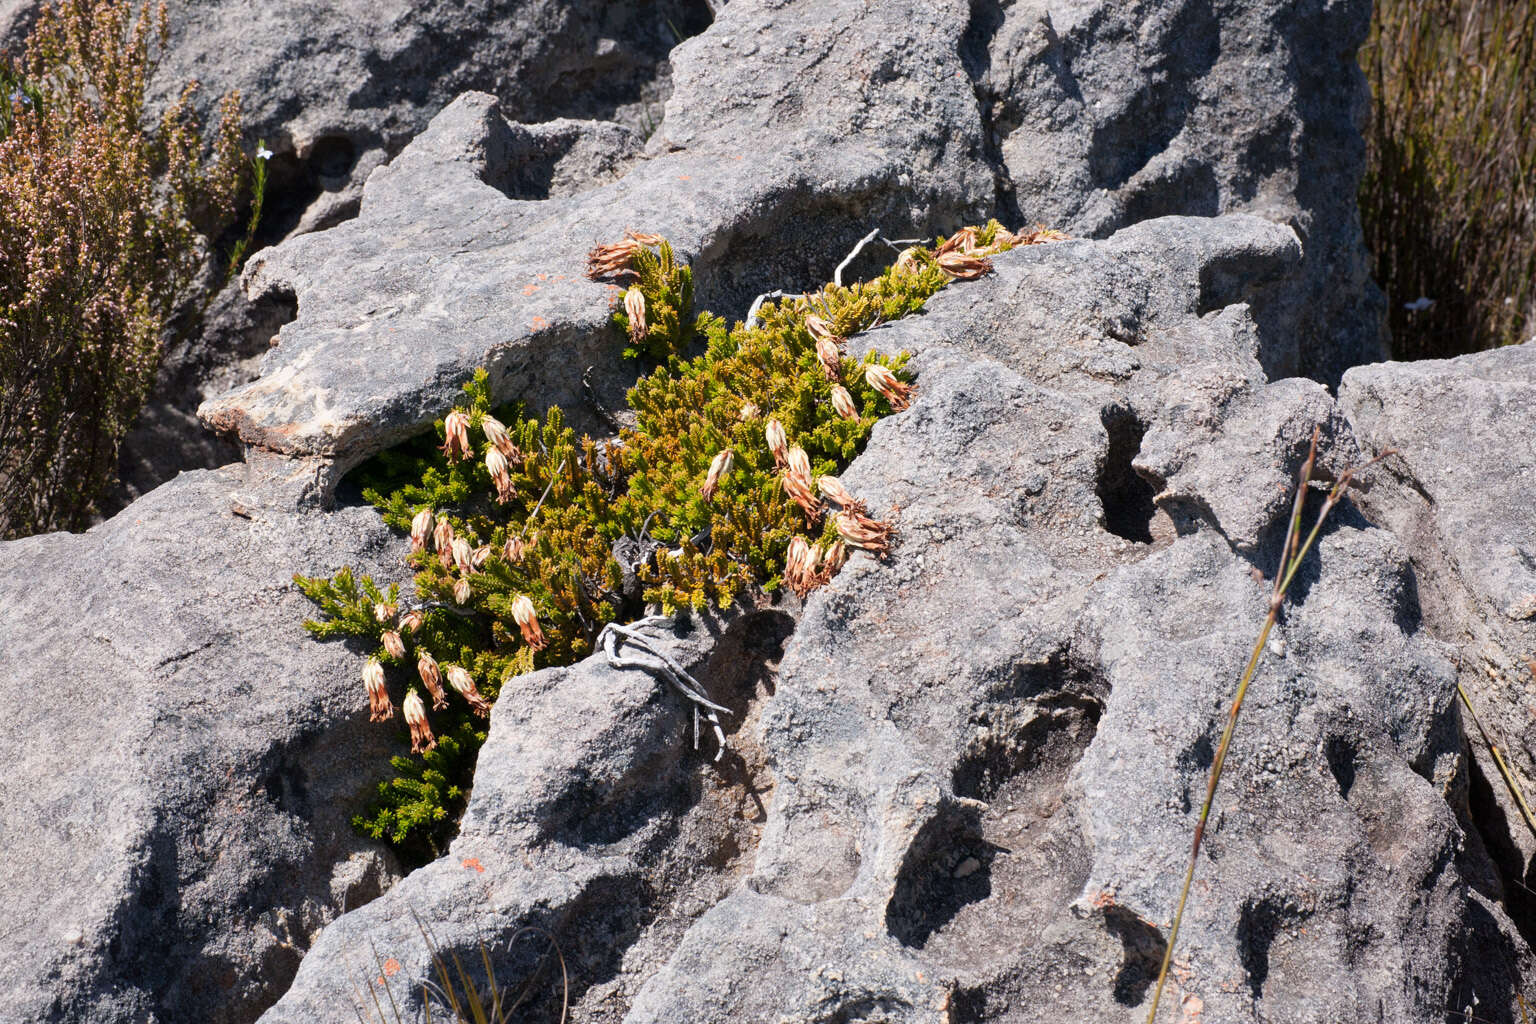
x: 178, y: 824
x: 966, y: 791
x: 986, y: 756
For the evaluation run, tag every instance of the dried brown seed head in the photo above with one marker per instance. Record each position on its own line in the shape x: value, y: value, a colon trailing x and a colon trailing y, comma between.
x: 411, y: 621
x: 461, y: 591
x: 614, y: 259
x: 495, y: 431
x: 962, y: 241
x: 718, y: 468
x: 514, y: 549
x: 821, y: 330
x: 528, y: 621
x: 379, y: 707
x: 962, y: 267
x: 394, y: 644
x: 462, y: 681
x: 456, y: 435
x: 634, y: 308
x: 842, y: 401
x: 832, y: 489
x: 830, y: 357
x: 385, y: 612
x: 778, y: 444
x: 799, y: 463
x: 432, y: 679
x: 884, y: 381
x: 501, y: 474
x: 421, y: 529
x: 462, y: 554
x: 860, y: 531
x: 415, y: 712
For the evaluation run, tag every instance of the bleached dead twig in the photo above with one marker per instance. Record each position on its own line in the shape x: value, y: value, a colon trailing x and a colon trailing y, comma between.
x: 614, y: 635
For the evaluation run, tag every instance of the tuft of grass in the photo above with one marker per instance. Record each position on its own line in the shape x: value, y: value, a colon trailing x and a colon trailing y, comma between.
x: 1448, y: 202
x: 1292, y: 555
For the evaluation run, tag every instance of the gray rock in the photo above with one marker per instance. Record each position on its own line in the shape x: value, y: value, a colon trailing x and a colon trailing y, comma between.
x: 1461, y: 494
x: 986, y: 755
x: 178, y: 817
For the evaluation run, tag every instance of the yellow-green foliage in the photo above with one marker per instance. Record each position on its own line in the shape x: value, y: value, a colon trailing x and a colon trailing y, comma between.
x: 574, y: 500
x: 1449, y: 197
x: 104, y: 221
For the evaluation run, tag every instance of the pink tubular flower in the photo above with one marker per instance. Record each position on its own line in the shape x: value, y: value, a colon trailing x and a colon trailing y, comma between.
x: 799, y: 463
x: 456, y: 441
x: 461, y: 680
x: 842, y: 401
x: 379, y: 707
x: 884, y: 381
x: 432, y: 679
x: 421, y: 529
x: 422, y: 739
x: 718, y: 467
x: 528, y: 621
x: 494, y: 430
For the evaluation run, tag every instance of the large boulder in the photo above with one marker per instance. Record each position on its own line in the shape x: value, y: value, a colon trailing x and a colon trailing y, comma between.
x: 178, y: 814
x: 986, y: 756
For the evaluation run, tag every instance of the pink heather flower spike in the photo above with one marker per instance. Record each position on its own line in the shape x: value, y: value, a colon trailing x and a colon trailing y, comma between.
x: 394, y: 645
x: 842, y: 401
x: 461, y: 591
x: 778, y: 444
x: 422, y: 739
x: 456, y: 442
x: 634, y: 308
x: 379, y: 707
x: 421, y: 529
x: 411, y: 621
x: 432, y: 679
x: 528, y: 621
x: 718, y: 467
x: 461, y: 680
x: 884, y: 381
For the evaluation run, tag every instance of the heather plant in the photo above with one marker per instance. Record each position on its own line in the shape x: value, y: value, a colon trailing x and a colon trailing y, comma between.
x: 105, y: 228
x: 526, y: 541
x: 1448, y: 202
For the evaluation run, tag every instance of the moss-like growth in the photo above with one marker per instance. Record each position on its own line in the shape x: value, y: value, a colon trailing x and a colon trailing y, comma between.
x: 527, y: 540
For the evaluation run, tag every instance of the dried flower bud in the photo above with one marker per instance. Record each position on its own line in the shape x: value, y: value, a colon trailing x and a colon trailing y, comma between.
x: 528, y: 621
x: 432, y: 679
x: 821, y: 330
x: 411, y: 621
x: 836, y: 558
x: 384, y: 612
x: 421, y: 529
x: 718, y: 467
x: 456, y: 435
x: 415, y: 712
x: 750, y: 411
x: 394, y: 646
x: 884, y: 381
x: 962, y: 241
x: 1042, y: 234
x: 461, y: 591
x: 442, y: 539
x: 799, y: 489
x: 649, y: 240
x: 907, y: 258
x: 634, y: 308
x: 379, y: 706
x: 462, y: 681
x: 495, y: 431
x: 479, y: 556
x: 462, y: 554
x: 501, y: 474
x: 964, y: 268
x: 798, y: 462
x: 1003, y: 239
x: 832, y: 489
x: 778, y: 444
x: 830, y: 357
x: 860, y: 531
x: 514, y: 549
x: 842, y: 401
x: 800, y: 566
x: 612, y: 259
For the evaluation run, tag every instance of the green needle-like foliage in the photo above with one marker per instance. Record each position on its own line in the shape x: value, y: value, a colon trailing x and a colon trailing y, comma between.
x: 540, y: 538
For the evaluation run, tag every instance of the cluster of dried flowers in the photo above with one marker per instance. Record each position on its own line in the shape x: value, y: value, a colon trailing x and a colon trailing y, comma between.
x: 728, y: 477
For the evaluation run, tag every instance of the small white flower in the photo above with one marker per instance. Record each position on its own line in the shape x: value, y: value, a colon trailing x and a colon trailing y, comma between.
x: 1419, y: 304
x: 263, y: 153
